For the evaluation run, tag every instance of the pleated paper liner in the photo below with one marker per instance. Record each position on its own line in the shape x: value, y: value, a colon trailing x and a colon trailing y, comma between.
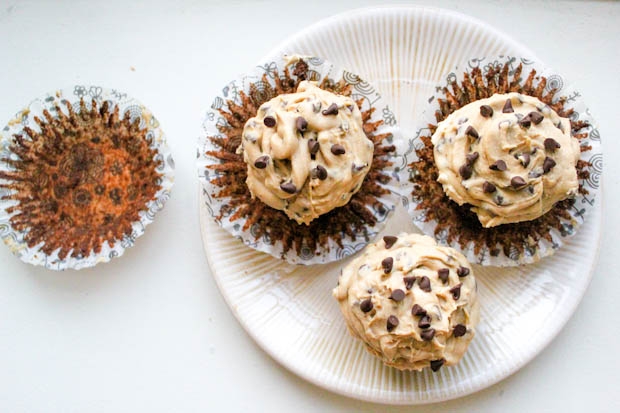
x: 318, y: 243
x: 552, y: 231
x: 100, y: 187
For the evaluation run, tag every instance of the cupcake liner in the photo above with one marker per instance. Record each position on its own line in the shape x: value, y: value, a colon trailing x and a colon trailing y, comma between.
x: 73, y: 95
x: 583, y: 205
x: 318, y: 70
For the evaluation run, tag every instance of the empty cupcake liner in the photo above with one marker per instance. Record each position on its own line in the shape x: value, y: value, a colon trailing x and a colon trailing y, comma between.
x: 583, y: 205
x: 14, y: 239
x: 319, y: 69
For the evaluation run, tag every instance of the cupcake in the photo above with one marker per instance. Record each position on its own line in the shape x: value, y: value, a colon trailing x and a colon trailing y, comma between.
x: 297, y: 160
x: 500, y: 170
x: 411, y: 302
x: 80, y: 177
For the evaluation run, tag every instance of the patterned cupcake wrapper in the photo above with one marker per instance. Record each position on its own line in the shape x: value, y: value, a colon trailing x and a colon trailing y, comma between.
x: 583, y: 205
x: 318, y: 69
x: 14, y: 239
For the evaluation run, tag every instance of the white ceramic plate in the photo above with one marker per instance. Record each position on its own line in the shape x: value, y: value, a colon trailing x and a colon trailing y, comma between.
x: 289, y: 309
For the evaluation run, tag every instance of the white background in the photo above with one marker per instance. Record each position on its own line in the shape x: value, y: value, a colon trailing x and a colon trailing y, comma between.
x: 150, y: 331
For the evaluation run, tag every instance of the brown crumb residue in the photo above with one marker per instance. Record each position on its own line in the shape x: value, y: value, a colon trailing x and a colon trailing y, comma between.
x: 350, y: 220
x: 81, y: 181
x: 459, y: 222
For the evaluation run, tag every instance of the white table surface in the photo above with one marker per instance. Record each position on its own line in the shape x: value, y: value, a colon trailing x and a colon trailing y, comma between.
x: 150, y: 331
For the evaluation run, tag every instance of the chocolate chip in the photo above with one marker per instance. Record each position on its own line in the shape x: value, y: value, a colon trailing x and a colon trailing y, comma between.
x: 535, y: 117
x: 466, y: 171
x: 389, y: 241
x: 331, y: 110
x: 472, y: 157
x: 398, y: 295
x: 486, y: 111
x: 499, y: 200
x: 313, y: 146
x: 456, y: 291
x: 338, y: 149
x: 409, y: 281
x: 517, y: 182
x: 443, y: 274
x: 524, y: 158
x: 320, y: 172
x: 301, y: 124
x: 392, y: 322
x: 525, y: 122
x: 436, y: 364
x: 288, y: 187
x: 387, y: 264
x: 488, y: 187
x: 366, y: 305
x: 425, y: 284
x: 417, y: 310
x: 508, y: 107
x: 498, y: 166
x: 462, y: 272
x: 470, y: 131
x: 269, y: 121
x: 425, y: 321
x: 459, y: 330
x: 548, y: 164
x: 551, y: 144
x: 261, y: 162
x: 427, y: 335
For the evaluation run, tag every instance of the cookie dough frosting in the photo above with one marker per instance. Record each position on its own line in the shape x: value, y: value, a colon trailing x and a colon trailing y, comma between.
x: 306, y: 152
x: 413, y: 303
x: 510, y: 156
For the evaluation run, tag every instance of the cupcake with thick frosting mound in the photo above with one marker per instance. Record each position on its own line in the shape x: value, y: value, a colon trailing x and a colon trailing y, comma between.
x: 413, y: 303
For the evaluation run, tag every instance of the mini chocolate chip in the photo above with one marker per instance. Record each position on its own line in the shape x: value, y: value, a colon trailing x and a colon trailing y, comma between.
x: 313, y: 146
x: 443, y: 274
x: 288, y: 187
x: 459, y: 330
x: 427, y: 335
x: 425, y: 321
x: 488, y: 187
x: 301, y: 124
x: 398, y: 295
x: 338, y: 149
x: 456, y: 291
x: 389, y: 241
x: 499, y: 165
x: 387, y: 264
x: 409, y: 281
x: 551, y: 144
x: 366, y: 305
x: 425, y: 284
x: 525, y: 122
x: 508, y: 107
x: 321, y: 172
x: 535, y: 117
x: 470, y: 131
x: 548, y: 164
x: 524, y: 158
x: 462, y: 272
x: 269, y: 121
x: 486, y: 111
x: 392, y: 322
x: 331, y: 110
x: 261, y: 162
x: 499, y: 200
x: 436, y: 364
x: 517, y: 182
x: 465, y: 171
x: 417, y: 310
x: 472, y: 157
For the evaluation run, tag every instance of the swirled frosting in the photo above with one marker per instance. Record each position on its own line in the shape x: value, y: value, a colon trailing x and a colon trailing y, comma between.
x: 306, y: 152
x: 413, y: 303
x: 510, y: 156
